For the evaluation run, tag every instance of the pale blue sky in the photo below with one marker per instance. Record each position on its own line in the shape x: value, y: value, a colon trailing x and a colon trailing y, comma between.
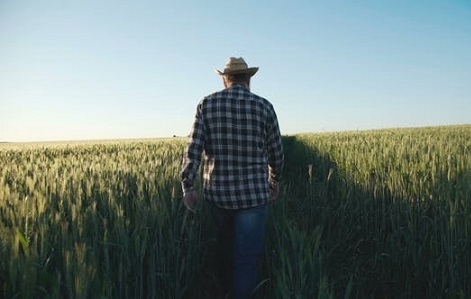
x: 90, y: 69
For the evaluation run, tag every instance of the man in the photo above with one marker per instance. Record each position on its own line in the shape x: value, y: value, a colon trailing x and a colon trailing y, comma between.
x: 243, y: 157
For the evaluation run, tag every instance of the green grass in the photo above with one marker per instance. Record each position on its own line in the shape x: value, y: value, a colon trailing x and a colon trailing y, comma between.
x: 369, y: 214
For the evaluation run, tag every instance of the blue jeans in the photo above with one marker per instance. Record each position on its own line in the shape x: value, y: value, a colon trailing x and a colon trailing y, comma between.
x: 240, y: 244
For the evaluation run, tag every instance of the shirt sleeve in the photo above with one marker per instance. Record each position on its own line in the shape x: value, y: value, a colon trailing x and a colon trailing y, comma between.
x: 275, y: 151
x: 193, y: 152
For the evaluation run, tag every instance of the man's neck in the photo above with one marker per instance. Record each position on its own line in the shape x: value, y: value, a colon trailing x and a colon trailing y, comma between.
x: 244, y: 84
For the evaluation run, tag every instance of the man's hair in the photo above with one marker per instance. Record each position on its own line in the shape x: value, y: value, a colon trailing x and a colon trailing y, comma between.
x: 241, y: 78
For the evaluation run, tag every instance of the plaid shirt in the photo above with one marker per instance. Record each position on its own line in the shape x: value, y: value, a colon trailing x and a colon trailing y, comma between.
x: 239, y: 134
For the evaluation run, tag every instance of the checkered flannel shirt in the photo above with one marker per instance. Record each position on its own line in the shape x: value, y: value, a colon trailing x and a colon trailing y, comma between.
x: 243, y: 156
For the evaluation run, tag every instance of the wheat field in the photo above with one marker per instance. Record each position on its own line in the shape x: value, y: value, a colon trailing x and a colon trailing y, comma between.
x: 366, y: 214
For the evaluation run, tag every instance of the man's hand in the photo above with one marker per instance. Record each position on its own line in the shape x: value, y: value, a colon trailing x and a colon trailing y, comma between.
x: 190, y: 199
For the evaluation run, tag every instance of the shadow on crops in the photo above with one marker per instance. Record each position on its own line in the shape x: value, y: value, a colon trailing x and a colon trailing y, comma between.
x: 372, y: 243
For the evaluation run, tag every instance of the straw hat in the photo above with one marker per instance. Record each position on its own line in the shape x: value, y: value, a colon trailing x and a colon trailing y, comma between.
x: 237, y: 66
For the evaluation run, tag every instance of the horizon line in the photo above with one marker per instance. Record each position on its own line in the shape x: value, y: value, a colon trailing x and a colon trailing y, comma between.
x: 180, y: 136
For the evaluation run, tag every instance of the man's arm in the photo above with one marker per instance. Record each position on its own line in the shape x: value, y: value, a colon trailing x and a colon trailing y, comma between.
x: 275, y: 155
x: 192, y: 154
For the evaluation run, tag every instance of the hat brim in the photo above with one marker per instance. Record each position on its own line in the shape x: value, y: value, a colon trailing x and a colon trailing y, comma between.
x: 250, y: 71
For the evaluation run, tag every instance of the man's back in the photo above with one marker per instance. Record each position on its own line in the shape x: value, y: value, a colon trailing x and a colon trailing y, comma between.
x: 238, y: 127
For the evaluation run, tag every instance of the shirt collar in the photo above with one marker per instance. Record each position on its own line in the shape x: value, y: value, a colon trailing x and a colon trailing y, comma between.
x: 234, y: 85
